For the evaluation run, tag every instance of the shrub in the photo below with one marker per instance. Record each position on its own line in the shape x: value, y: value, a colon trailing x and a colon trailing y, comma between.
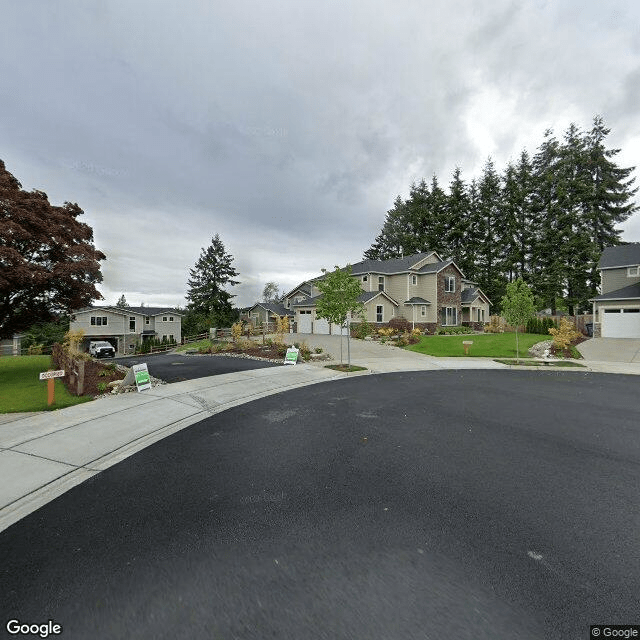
x: 318, y: 349
x: 35, y: 350
x: 305, y: 352
x: 102, y: 387
x: 564, y: 335
x: 362, y: 329
x: 236, y: 331
x: 399, y: 325
x: 495, y: 325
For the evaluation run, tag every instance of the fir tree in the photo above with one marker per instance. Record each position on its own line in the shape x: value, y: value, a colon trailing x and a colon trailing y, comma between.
x: 213, y: 272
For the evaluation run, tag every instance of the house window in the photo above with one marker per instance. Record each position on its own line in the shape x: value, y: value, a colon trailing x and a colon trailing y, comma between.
x: 379, y: 313
x: 93, y: 321
x: 380, y: 283
x: 633, y: 272
x: 365, y: 278
x: 147, y: 320
x: 423, y: 310
x: 414, y: 279
x: 132, y: 323
x: 99, y: 321
x: 450, y: 316
x: 164, y: 318
x: 480, y: 315
x: 170, y: 318
x: 450, y: 284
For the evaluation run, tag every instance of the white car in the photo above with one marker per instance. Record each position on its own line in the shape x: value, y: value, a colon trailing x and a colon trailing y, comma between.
x: 102, y: 349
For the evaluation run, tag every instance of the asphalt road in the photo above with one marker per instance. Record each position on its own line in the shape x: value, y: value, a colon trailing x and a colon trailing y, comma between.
x: 175, y: 367
x: 457, y: 504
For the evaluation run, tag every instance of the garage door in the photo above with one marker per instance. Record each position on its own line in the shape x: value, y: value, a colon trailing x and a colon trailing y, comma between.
x: 304, y: 323
x: 621, y: 323
x: 321, y: 325
x: 336, y: 330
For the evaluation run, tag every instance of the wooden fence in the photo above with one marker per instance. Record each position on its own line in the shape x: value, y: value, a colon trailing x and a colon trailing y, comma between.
x: 580, y: 322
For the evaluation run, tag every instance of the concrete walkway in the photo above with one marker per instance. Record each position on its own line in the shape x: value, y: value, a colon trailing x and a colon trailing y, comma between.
x: 45, y: 454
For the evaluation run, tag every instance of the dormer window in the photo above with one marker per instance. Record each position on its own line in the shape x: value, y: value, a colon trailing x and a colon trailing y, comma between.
x: 633, y: 272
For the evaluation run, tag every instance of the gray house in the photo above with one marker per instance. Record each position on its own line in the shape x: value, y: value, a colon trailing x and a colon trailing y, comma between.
x: 125, y: 328
x: 616, y: 311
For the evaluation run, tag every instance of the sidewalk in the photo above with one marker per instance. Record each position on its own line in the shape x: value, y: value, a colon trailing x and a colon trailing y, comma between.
x: 45, y: 454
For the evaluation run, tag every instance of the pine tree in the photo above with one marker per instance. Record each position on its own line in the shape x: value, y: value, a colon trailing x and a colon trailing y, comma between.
x: 458, y: 223
x: 213, y: 271
x: 122, y: 302
x: 388, y: 243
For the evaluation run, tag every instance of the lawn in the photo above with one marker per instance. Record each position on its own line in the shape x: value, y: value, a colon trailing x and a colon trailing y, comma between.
x: 488, y: 345
x: 22, y: 390
x: 194, y: 345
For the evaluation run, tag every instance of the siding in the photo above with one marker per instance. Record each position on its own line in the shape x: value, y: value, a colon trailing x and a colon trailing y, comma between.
x: 370, y: 309
x: 428, y: 260
x: 614, y: 279
x: 116, y: 324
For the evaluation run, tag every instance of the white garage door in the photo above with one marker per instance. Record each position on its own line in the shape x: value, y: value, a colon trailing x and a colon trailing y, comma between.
x: 621, y: 323
x: 304, y: 324
x: 337, y: 330
x: 321, y: 325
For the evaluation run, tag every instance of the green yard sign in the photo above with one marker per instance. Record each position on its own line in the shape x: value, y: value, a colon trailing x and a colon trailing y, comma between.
x: 141, y: 373
x: 292, y: 356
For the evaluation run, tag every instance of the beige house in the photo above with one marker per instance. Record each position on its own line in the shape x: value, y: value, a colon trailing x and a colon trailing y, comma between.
x: 616, y: 311
x: 125, y: 328
x: 423, y: 289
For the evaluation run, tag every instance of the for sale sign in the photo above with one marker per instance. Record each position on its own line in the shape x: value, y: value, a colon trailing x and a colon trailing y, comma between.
x: 47, y: 375
x: 141, y: 373
x: 292, y: 356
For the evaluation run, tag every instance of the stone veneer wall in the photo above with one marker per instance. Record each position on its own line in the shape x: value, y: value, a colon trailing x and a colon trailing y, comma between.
x: 445, y: 299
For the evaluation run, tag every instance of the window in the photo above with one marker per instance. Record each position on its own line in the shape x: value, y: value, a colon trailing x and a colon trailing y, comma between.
x: 450, y: 316
x: 423, y: 310
x: 305, y: 311
x: 381, y: 283
x: 147, y: 319
x: 633, y: 272
x: 480, y: 315
x: 99, y: 321
x: 365, y: 278
x: 164, y: 318
x: 450, y: 284
x: 414, y: 279
x: 132, y: 323
x: 170, y: 318
x: 93, y: 321
x: 379, y: 313
x: 612, y: 310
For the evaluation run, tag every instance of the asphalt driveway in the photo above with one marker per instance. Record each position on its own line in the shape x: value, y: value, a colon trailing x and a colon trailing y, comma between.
x: 456, y: 504
x: 176, y: 367
x: 611, y: 349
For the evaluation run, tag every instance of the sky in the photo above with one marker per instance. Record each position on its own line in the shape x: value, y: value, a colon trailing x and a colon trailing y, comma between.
x: 289, y: 127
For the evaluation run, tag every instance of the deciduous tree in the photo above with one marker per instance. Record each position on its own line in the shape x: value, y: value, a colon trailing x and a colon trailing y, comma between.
x: 48, y: 262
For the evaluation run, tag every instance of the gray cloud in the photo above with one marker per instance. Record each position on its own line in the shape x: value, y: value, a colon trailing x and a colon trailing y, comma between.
x: 288, y: 128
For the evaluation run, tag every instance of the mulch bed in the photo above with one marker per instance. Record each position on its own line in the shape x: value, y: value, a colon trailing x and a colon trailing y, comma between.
x: 566, y: 353
x: 92, y: 377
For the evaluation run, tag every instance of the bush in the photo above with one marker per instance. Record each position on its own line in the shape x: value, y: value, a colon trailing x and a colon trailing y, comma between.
x: 362, y: 329
x: 102, y: 387
x: 399, y: 325
x: 236, y: 331
x: 564, y: 335
x: 318, y: 349
x: 35, y: 350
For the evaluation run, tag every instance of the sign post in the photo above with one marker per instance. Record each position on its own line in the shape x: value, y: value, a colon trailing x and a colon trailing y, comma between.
x: 49, y: 376
x: 141, y: 374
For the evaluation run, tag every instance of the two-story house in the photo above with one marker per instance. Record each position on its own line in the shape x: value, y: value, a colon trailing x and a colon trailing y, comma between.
x: 423, y: 289
x: 616, y: 311
x: 125, y: 328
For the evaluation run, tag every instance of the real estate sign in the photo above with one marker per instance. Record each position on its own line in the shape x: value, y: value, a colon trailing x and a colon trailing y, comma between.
x: 141, y: 373
x: 292, y: 356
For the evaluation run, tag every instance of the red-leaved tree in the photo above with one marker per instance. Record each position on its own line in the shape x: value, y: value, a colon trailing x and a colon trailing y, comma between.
x: 48, y: 263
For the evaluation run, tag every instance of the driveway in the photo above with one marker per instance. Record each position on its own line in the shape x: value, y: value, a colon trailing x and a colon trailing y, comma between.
x: 176, y: 367
x: 611, y: 350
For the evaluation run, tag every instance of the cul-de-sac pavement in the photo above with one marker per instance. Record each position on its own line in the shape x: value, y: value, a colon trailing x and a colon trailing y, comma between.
x: 427, y: 498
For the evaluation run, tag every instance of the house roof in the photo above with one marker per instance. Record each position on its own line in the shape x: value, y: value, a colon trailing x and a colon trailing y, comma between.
x: 304, y: 287
x: 417, y: 300
x: 467, y: 296
x: 144, y: 311
x: 626, y: 293
x: 624, y: 255
x: 393, y: 265
x: 274, y: 307
x: 364, y: 297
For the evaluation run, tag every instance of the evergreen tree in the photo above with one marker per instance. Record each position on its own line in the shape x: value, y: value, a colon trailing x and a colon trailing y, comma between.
x: 388, y: 243
x: 213, y: 271
x: 122, y: 302
x: 459, y: 240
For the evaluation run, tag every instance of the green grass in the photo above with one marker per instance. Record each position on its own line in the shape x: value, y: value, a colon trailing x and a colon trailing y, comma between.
x: 488, y: 345
x: 345, y: 368
x: 194, y: 345
x: 526, y: 362
x: 22, y: 390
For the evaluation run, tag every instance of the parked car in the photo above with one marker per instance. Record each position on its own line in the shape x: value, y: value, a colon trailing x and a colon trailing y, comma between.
x: 102, y: 349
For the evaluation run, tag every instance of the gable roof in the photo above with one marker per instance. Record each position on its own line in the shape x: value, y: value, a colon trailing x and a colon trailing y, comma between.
x: 274, y: 307
x: 393, y: 265
x: 467, y: 296
x: 624, y: 255
x: 364, y: 297
x: 304, y: 287
x: 417, y: 300
x: 630, y: 292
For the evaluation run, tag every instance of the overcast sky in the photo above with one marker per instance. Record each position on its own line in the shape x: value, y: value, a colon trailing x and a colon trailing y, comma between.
x: 289, y: 127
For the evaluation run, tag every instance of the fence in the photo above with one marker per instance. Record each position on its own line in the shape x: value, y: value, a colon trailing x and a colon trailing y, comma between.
x: 73, y: 368
x: 579, y: 322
